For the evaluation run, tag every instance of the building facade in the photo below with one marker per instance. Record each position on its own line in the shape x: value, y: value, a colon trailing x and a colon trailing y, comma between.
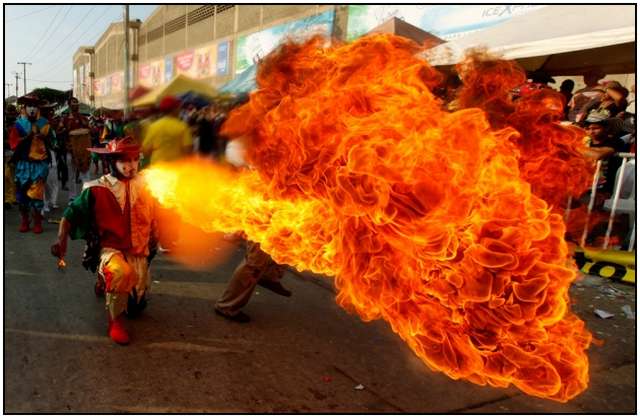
x: 215, y: 42
x: 208, y: 42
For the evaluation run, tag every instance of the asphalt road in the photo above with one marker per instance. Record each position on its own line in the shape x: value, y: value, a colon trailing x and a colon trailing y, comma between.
x: 302, y: 354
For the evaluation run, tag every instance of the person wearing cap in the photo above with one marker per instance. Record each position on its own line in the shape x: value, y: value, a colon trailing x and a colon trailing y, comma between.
x: 30, y: 140
x: 116, y: 215
x: 592, y: 91
x: 613, y: 102
x: 168, y: 138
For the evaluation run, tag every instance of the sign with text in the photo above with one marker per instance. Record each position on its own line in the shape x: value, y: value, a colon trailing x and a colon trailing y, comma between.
x: 255, y: 46
x: 445, y: 21
x: 184, y: 62
x: 222, y: 63
x: 168, y: 68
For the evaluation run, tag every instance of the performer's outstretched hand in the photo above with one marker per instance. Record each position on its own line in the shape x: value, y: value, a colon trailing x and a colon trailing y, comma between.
x: 59, y: 248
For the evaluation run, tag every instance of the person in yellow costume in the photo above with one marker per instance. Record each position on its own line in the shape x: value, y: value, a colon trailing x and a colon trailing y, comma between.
x: 168, y: 138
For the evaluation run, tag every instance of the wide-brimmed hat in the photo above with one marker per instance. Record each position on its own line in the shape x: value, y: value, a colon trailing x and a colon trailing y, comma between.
x: 30, y: 100
x: 126, y: 145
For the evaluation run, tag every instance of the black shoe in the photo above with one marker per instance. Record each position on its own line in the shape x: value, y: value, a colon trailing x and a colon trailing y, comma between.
x: 275, y: 287
x: 239, y: 317
x: 98, y: 288
x: 135, y: 308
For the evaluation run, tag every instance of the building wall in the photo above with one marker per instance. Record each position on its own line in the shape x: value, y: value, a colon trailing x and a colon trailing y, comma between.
x: 175, y: 28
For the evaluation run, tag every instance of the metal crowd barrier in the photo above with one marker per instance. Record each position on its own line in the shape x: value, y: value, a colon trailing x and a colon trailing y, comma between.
x: 613, y: 203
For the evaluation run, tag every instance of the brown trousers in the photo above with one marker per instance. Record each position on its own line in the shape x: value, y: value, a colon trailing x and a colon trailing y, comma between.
x: 256, y: 266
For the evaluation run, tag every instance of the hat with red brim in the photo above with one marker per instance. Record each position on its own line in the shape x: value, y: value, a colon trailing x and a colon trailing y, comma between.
x: 126, y: 145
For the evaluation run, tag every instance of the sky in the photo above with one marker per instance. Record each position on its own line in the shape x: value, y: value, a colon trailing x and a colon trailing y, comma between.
x: 48, y: 35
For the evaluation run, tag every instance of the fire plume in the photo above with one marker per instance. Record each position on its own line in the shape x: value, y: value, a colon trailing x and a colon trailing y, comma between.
x: 426, y: 218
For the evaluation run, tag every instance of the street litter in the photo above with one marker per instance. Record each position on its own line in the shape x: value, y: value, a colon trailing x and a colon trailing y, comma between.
x: 612, y: 291
x: 603, y: 314
x: 156, y: 282
x: 628, y: 312
x: 359, y: 387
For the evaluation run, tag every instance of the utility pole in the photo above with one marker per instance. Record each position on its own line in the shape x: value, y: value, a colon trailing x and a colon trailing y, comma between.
x: 24, y: 68
x: 8, y: 85
x: 17, y: 77
x: 126, y: 61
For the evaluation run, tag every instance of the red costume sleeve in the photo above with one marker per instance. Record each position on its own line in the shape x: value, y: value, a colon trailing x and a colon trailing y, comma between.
x: 14, y: 138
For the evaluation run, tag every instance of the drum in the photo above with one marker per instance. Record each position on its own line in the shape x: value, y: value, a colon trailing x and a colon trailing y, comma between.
x: 79, y: 141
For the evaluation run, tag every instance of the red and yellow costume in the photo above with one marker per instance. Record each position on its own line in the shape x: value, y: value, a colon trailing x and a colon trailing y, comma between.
x: 117, y: 217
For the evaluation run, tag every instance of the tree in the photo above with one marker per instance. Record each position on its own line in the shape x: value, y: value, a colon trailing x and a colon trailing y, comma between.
x: 52, y: 95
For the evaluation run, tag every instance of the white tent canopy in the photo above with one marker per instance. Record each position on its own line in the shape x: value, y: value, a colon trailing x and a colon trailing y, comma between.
x: 559, y: 39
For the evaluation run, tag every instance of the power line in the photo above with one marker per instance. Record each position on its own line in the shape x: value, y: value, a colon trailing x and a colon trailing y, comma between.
x: 28, y: 14
x: 38, y: 46
x: 74, y: 29
x: 62, y: 62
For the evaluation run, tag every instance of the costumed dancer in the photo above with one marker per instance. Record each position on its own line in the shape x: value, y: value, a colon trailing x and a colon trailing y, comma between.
x: 116, y: 215
x: 257, y: 268
x: 70, y: 123
x: 30, y: 140
x: 52, y: 184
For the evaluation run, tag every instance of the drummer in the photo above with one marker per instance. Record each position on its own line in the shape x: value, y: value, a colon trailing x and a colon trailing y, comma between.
x: 73, y: 121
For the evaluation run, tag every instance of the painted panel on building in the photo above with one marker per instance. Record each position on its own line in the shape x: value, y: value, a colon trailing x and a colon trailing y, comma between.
x: 151, y: 74
x: 445, y: 21
x: 253, y: 47
x: 144, y: 73
x: 168, y: 68
x: 205, y: 62
x: 97, y: 88
x: 106, y: 86
x: 184, y: 62
x: 222, y: 64
x: 117, y: 82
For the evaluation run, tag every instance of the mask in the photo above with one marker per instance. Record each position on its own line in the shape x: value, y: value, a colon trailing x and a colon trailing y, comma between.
x: 128, y: 166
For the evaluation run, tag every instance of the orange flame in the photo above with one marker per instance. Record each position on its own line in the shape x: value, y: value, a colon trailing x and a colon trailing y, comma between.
x: 426, y: 218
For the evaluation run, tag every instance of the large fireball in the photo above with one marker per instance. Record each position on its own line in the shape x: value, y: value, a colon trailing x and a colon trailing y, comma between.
x: 425, y: 217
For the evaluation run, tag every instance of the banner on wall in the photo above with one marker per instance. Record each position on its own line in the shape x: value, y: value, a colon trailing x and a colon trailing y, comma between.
x: 106, y: 86
x: 445, y: 21
x: 151, y: 74
x: 117, y: 82
x: 97, y: 88
x: 157, y: 73
x: 255, y: 46
x: 222, y: 61
x: 144, y: 72
x: 168, y: 68
x: 184, y: 62
x: 205, y: 59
